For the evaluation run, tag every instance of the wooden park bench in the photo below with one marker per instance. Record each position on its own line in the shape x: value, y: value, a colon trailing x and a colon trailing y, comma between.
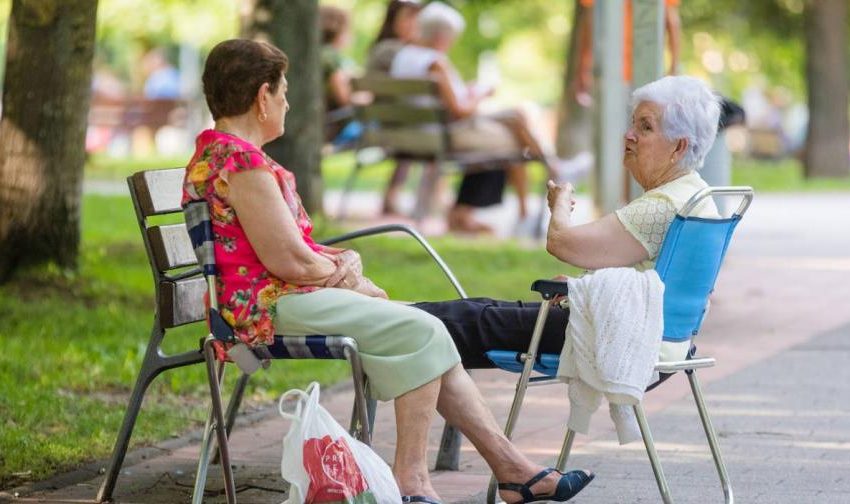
x: 408, y: 121
x: 179, y: 288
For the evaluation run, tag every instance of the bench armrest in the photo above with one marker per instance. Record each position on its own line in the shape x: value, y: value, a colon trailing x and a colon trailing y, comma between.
x: 390, y: 228
x: 550, y: 288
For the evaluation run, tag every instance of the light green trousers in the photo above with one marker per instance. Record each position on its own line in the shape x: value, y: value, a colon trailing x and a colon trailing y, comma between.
x: 401, y: 347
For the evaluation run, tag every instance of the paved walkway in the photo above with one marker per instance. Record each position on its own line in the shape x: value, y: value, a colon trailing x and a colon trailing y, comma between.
x: 779, y: 327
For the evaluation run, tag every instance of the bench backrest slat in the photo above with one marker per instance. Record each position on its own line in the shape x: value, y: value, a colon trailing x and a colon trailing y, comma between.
x: 158, y: 191
x: 381, y: 86
x: 171, y: 247
x: 410, y: 141
x: 182, y: 301
x: 401, y: 114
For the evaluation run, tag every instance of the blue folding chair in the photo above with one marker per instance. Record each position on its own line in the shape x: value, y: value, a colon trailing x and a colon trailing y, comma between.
x: 688, y: 264
x: 250, y: 360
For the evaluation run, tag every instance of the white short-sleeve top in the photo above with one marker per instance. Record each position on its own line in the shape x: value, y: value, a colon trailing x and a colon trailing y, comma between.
x: 648, y: 217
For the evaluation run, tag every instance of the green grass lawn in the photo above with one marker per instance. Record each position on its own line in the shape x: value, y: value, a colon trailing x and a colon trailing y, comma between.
x: 781, y: 176
x: 73, y: 343
x: 785, y: 175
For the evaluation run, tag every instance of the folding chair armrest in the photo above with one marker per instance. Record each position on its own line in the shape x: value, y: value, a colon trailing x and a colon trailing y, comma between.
x: 550, y: 288
x: 685, y: 365
x: 390, y: 228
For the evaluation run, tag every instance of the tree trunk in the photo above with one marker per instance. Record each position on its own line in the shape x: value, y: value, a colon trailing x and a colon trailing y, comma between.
x: 575, y: 127
x: 292, y: 25
x: 826, y: 152
x: 42, y: 131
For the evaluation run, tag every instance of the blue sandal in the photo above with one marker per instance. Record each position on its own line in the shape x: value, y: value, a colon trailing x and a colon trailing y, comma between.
x: 570, y: 484
x: 418, y: 498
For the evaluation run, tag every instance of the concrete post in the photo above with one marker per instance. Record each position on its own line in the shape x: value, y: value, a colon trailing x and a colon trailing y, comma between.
x: 647, y: 54
x: 610, y: 92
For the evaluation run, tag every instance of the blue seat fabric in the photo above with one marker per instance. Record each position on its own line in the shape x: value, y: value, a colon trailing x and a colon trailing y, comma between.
x: 688, y: 264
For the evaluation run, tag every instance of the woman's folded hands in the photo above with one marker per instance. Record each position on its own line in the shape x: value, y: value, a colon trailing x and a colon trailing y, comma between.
x: 349, y: 275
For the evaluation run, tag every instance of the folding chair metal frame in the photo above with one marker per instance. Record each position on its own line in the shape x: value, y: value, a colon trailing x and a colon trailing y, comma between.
x: 179, y: 293
x: 530, y: 361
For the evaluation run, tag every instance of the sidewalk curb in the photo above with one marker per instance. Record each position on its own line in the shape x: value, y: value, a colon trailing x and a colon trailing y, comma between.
x: 95, y: 469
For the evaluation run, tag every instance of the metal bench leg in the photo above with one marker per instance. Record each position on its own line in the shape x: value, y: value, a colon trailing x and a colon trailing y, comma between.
x: 712, y: 437
x: 236, y: 402
x: 427, y: 188
x: 349, y: 185
x: 448, y: 458
x: 566, y: 448
x: 360, y: 421
x: 214, y: 422
x: 151, y: 367
x: 653, y: 456
x: 233, y: 409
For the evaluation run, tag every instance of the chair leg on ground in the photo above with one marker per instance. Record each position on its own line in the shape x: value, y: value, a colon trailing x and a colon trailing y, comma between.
x: 360, y: 421
x: 233, y: 408
x: 152, y: 365
x: 120, y: 450
x: 448, y: 458
x: 566, y: 448
x: 711, y: 435
x: 216, y: 423
x: 653, y: 456
x: 522, y: 385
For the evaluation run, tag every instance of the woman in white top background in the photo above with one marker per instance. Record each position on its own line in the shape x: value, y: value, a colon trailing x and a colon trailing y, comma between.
x: 502, y: 133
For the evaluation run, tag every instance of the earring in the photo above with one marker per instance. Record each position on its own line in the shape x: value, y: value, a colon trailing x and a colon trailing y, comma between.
x: 262, y: 116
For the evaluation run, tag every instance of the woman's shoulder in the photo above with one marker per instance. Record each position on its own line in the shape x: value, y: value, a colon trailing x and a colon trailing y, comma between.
x: 223, y: 149
x: 413, y: 59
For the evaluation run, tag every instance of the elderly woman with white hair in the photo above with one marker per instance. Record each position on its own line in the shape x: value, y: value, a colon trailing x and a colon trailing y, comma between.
x: 674, y: 123
x: 502, y: 133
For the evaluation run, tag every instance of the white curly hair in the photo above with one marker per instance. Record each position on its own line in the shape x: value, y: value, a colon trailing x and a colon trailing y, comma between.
x: 438, y: 18
x: 690, y: 110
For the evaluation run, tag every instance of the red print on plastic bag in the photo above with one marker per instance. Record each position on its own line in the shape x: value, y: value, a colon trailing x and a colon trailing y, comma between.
x: 334, y: 474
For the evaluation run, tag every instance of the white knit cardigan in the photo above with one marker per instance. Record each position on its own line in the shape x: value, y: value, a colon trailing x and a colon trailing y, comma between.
x: 612, y: 343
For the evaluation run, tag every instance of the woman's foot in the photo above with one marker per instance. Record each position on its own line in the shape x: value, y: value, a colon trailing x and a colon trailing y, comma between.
x: 461, y: 220
x: 547, y: 485
x: 417, y: 487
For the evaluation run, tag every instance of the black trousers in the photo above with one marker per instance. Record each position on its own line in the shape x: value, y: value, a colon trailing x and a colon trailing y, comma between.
x: 478, y: 325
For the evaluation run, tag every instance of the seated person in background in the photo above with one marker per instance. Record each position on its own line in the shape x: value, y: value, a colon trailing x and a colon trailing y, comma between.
x: 334, y: 24
x: 504, y: 133
x: 398, y: 29
x: 163, y: 80
x: 275, y: 279
x: 674, y: 122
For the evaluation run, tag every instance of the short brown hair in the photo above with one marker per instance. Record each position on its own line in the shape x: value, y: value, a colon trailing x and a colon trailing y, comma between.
x: 332, y: 22
x: 234, y: 72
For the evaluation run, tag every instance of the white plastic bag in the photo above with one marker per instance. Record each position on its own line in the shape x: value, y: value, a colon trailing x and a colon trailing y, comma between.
x: 323, y: 463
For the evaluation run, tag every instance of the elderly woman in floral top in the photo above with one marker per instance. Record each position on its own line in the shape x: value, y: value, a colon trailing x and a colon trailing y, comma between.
x: 275, y: 279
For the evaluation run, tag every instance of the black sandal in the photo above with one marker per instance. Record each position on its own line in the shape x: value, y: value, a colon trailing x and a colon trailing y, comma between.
x: 570, y: 484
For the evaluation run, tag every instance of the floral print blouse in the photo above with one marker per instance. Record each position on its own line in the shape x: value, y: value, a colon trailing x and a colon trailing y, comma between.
x: 247, y: 292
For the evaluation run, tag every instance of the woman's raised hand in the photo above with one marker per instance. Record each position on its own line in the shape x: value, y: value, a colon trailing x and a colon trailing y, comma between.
x: 560, y: 195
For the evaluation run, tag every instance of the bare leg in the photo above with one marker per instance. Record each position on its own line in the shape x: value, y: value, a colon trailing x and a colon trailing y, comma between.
x: 518, y: 124
x: 518, y: 177
x: 414, y: 411
x: 462, y: 405
x: 461, y: 218
x: 397, y: 179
